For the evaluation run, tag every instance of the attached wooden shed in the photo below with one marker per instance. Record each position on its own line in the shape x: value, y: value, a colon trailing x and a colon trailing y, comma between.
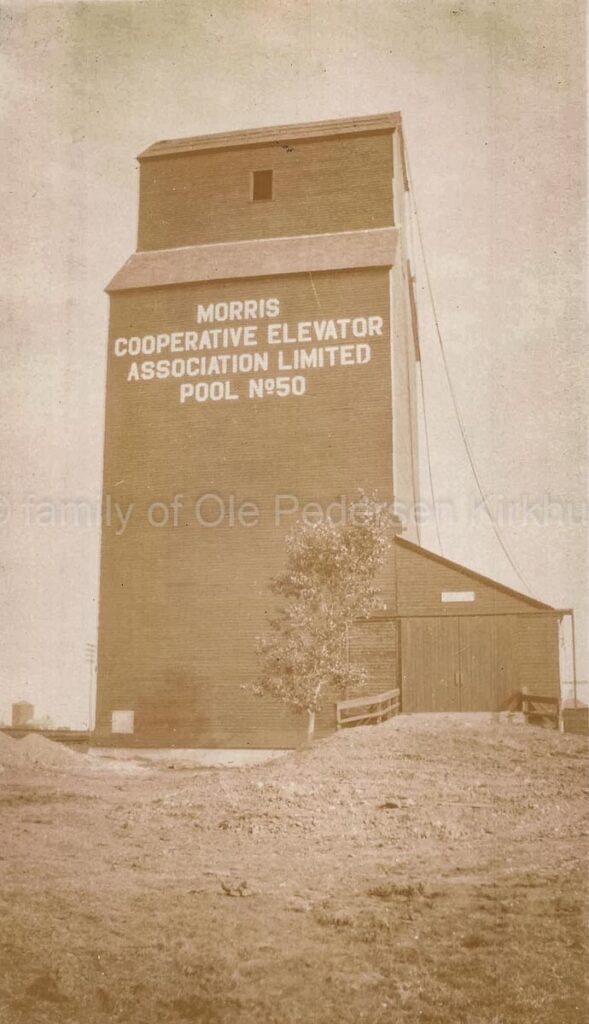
x: 453, y: 640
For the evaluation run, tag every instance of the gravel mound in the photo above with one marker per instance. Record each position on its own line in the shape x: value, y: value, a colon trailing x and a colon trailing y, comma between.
x: 34, y: 750
x: 10, y: 755
x: 46, y: 753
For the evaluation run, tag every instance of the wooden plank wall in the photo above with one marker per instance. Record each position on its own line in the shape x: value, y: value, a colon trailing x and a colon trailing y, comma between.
x: 477, y: 663
x: 487, y: 662
x: 341, y: 183
x: 576, y: 720
x: 429, y: 664
x: 421, y: 581
x: 538, y: 655
x: 181, y: 605
x: 374, y: 645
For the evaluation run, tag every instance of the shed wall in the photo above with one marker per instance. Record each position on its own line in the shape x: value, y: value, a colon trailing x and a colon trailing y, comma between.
x: 538, y: 655
x: 374, y: 646
x: 421, y: 580
x: 467, y: 656
x: 576, y: 720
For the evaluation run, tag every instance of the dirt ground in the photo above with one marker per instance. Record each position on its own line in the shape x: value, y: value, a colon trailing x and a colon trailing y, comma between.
x: 431, y: 869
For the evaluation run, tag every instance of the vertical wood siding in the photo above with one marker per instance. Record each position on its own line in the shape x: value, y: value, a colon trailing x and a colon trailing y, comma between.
x: 477, y: 663
x: 538, y: 655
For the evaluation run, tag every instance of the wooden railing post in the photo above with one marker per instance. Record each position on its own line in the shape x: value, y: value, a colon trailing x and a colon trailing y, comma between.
x: 375, y: 709
x: 536, y: 704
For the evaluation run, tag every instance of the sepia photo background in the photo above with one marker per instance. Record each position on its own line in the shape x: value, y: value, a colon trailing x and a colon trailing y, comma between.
x: 492, y: 96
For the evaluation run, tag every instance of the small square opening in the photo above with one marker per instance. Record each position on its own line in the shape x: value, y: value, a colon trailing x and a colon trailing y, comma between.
x: 122, y: 722
x: 262, y: 185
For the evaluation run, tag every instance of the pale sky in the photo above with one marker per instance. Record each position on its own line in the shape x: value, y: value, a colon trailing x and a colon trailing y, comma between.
x: 492, y: 96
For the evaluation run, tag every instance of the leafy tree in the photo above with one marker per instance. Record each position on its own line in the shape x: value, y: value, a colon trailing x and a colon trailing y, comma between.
x: 327, y: 583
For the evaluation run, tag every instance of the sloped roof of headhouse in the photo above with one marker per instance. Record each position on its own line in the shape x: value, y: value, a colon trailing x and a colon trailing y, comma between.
x: 278, y: 134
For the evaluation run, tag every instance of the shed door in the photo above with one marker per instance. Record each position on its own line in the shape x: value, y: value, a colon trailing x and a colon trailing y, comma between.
x: 487, y: 668
x: 456, y: 663
x: 431, y: 664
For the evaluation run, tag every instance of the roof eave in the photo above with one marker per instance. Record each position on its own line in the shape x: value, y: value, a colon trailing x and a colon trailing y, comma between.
x: 274, y: 134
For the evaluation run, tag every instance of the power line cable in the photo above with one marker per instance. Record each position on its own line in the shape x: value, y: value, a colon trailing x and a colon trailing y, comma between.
x: 429, y: 463
x: 412, y: 263
x: 466, y: 442
x: 406, y: 284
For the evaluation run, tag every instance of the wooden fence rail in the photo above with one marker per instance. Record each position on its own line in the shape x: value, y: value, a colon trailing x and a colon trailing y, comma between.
x: 536, y: 707
x: 368, y: 710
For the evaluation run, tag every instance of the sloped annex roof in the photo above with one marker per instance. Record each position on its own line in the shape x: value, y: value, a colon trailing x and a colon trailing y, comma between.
x: 532, y: 601
x: 278, y: 134
x: 265, y: 257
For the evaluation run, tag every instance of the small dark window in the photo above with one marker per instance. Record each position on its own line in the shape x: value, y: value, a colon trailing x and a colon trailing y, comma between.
x: 262, y: 185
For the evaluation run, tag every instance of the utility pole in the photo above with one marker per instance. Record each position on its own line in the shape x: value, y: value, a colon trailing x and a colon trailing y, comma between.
x: 91, y: 658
